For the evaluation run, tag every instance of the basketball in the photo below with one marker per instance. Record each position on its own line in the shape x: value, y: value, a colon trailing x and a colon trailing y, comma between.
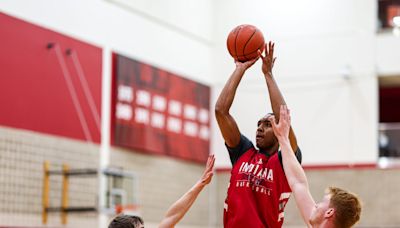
x: 244, y: 41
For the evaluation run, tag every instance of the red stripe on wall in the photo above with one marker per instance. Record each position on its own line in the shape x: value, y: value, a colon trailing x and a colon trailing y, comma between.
x: 342, y: 166
x: 328, y: 167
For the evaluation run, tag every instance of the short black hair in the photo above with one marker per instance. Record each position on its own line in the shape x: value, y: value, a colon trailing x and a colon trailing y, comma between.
x: 126, y: 221
x: 259, y: 121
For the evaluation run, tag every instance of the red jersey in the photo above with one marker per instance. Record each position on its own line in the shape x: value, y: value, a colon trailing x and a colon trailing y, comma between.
x: 258, y: 190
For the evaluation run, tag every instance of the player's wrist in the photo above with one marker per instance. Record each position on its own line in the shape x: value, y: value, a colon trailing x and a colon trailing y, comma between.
x: 283, y: 141
x: 268, y: 74
x: 201, y: 183
x: 240, y: 71
x: 241, y: 68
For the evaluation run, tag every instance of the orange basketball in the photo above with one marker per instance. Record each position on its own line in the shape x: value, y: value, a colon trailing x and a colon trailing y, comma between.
x: 244, y: 41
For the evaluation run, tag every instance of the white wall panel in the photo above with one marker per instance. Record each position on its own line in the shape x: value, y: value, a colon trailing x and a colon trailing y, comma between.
x: 388, y: 54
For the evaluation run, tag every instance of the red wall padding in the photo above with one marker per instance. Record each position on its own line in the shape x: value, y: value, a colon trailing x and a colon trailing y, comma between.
x: 34, y: 92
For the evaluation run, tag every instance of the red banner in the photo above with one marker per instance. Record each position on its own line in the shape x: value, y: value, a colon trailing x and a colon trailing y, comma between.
x: 159, y: 112
x: 49, y: 82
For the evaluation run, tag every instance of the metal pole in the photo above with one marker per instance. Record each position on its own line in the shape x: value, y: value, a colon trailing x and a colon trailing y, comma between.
x: 104, y: 155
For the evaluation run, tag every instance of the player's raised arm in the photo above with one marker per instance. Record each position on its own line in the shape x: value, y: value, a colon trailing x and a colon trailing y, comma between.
x: 275, y: 94
x: 176, y: 212
x: 295, y: 174
x: 226, y: 122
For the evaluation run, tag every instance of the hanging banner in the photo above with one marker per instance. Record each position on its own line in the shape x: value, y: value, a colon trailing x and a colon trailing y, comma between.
x: 158, y: 112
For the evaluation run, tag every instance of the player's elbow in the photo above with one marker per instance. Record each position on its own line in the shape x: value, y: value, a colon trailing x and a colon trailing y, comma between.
x: 220, y: 110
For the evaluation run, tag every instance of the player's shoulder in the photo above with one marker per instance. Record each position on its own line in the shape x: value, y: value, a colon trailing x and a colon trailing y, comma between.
x: 298, y: 155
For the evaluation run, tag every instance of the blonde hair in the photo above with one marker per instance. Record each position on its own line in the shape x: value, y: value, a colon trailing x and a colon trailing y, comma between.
x: 347, y: 206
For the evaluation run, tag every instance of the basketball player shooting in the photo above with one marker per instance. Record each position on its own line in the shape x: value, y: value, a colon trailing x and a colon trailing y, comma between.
x: 258, y: 190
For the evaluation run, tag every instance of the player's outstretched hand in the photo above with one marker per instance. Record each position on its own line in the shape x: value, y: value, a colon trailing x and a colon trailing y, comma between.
x: 269, y: 59
x: 246, y: 65
x: 282, y: 128
x: 208, y: 172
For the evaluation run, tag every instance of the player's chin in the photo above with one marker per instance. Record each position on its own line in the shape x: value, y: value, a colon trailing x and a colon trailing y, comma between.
x: 258, y: 142
x: 261, y: 145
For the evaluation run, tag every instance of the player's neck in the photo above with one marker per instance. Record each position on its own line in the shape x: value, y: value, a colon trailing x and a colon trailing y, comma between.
x: 325, y: 224
x: 270, y: 150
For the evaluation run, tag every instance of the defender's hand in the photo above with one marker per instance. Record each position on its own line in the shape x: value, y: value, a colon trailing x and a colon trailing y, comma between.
x: 208, y: 172
x: 282, y: 128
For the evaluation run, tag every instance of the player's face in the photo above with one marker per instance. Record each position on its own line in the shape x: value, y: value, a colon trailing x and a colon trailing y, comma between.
x: 265, y: 135
x: 320, y: 210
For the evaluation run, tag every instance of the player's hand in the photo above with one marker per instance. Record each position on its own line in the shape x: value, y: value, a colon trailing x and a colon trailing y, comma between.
x: 269, y: 59
x: 208, y: 172
x: 282, y: 128
x: 246, y: 65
